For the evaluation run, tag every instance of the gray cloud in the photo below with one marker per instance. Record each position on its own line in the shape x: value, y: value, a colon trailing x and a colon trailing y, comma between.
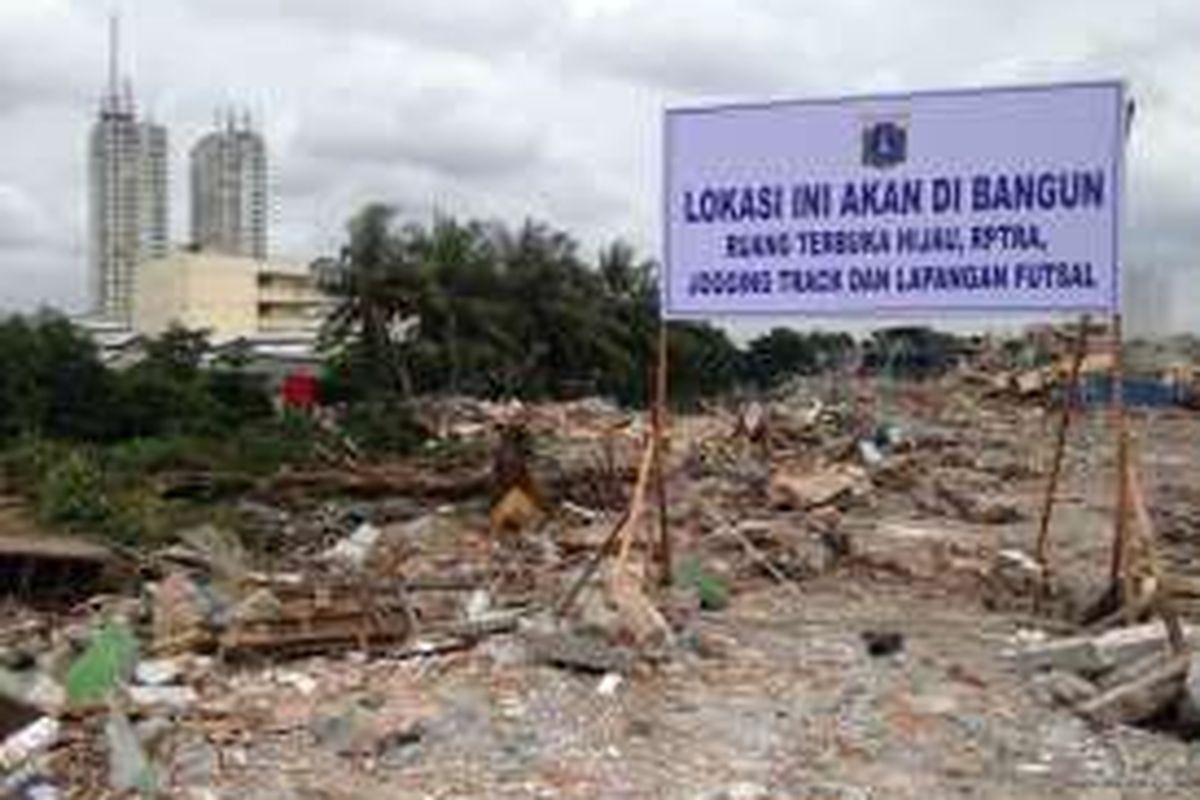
x: 449, y: 132
x: 22, y: 222
x: 479, y: 26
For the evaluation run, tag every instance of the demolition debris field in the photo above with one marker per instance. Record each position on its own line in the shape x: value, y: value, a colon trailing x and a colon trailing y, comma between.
x: 851, y: 615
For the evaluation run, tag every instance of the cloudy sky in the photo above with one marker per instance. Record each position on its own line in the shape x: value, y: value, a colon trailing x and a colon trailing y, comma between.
x: 515, y: 108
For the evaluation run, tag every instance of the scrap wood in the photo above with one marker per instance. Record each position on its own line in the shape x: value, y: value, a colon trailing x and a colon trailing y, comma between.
x: 1139, y: 699
x: 394, y: 479
x: 618, y: 531
x: 760, y: 557
x: 1161, y: 599
x: 644, y: 622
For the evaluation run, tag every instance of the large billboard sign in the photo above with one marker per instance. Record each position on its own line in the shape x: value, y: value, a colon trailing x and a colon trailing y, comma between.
x: 989, y: 200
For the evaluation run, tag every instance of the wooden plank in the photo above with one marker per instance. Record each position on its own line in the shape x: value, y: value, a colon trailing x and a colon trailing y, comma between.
x: 1139, y: 699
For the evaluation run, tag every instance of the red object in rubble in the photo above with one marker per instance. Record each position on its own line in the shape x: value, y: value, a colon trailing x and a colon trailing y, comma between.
x: 299, y: 391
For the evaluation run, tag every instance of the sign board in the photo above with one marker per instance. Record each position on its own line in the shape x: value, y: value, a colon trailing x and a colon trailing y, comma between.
x: 986, y: 200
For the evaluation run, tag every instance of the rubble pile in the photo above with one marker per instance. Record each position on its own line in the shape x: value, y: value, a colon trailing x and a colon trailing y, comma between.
x: 532, y: 557
x: 1126, y: 675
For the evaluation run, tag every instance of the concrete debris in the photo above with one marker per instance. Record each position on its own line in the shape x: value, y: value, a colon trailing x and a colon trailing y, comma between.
x: 173, y: 698
x: 1140, y: 699
x: 1060, y: 687
x: 1103, y: 652
x: 581, y: 652
x: 159, y: 672
x: 355, y: 549
x: 27, y: 742
x: 1189, y: 700
x: 1126, y: 675
x: 739, y: 791
x: 973, y: 501
x: 800, y: 491
x: 129, y: 768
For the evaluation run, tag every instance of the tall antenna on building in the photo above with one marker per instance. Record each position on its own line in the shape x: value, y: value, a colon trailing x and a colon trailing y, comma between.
x: 112, y: 96
x: 114, y: 49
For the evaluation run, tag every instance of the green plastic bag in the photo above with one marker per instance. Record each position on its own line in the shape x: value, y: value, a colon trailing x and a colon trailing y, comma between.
x: 107, y: 663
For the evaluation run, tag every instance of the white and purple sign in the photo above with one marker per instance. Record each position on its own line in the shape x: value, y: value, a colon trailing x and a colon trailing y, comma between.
x: 987, y: 200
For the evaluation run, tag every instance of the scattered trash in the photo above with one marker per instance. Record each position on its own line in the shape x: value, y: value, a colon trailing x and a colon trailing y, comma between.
x: 609, y: 684
x: 354, y: 550
x: 174, y: 698
x: 128, y: 766
x: 158, y: 672
x: 883, y: 643
x: 27, y: 742
x: 712, y: 592
x: 108, y: 662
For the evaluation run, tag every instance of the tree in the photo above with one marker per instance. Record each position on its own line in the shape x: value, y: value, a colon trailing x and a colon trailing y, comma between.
x: 462, y: 333
x: 778, y: 355
x: 911, y: 352
x: 377, y: 288
x: 503, y: 311
x: 51, y: 380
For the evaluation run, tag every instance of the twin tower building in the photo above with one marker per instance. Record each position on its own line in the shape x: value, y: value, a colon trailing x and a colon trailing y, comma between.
x: 129, y: 202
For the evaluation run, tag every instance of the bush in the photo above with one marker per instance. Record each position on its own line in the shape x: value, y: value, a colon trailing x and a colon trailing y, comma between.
x: 72, y: 494
x: 266, y: 445
x: 384, y: 426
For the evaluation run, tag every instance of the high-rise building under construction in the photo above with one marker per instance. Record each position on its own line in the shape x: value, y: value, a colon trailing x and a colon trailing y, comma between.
x: 128, y: 202
x: 229, y: 190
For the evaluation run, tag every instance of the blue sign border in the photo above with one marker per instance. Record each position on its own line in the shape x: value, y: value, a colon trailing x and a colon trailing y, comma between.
x: 1118, y: 166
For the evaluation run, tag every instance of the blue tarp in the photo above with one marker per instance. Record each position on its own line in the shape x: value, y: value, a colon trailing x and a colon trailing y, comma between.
x: 1138, y: 392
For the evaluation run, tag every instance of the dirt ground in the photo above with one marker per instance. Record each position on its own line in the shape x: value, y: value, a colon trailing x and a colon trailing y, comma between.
x: 785, y: 702
x: 774, y: 697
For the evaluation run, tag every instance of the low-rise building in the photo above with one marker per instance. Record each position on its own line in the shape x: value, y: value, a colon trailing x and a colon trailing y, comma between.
x: 230, y: 297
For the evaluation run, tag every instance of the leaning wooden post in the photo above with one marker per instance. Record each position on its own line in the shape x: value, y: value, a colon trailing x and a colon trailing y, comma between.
x: 659, y: 432
x: 1121, y: 427
x: 1060, y: 444
x: 1162, y: 600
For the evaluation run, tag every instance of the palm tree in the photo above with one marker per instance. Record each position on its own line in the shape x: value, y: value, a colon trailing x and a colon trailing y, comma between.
x: 462, y: 305
x: 377, y: 287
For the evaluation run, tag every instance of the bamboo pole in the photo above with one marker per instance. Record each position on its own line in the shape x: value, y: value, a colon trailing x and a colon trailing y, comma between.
x: 665, y: 557
x: 1120, y: 425
x: 1060, y: 443
x: 1162, y: 600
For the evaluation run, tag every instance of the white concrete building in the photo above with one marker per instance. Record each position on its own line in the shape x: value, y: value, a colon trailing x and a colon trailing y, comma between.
x: 229, y: 191
x: 128, y: 195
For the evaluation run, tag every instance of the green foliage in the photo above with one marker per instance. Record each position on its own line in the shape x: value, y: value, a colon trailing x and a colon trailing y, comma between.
x: 76, y: 488
x: 383, y: 425
x: 783, y: 353
x: 72, y: 492
x: 53, y: 385
x: 911, y: 352
x: 86, y: 443
x: 711, y: 590
x: 51, y: 380
x: 485, y: 309
x: 267, y: 444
